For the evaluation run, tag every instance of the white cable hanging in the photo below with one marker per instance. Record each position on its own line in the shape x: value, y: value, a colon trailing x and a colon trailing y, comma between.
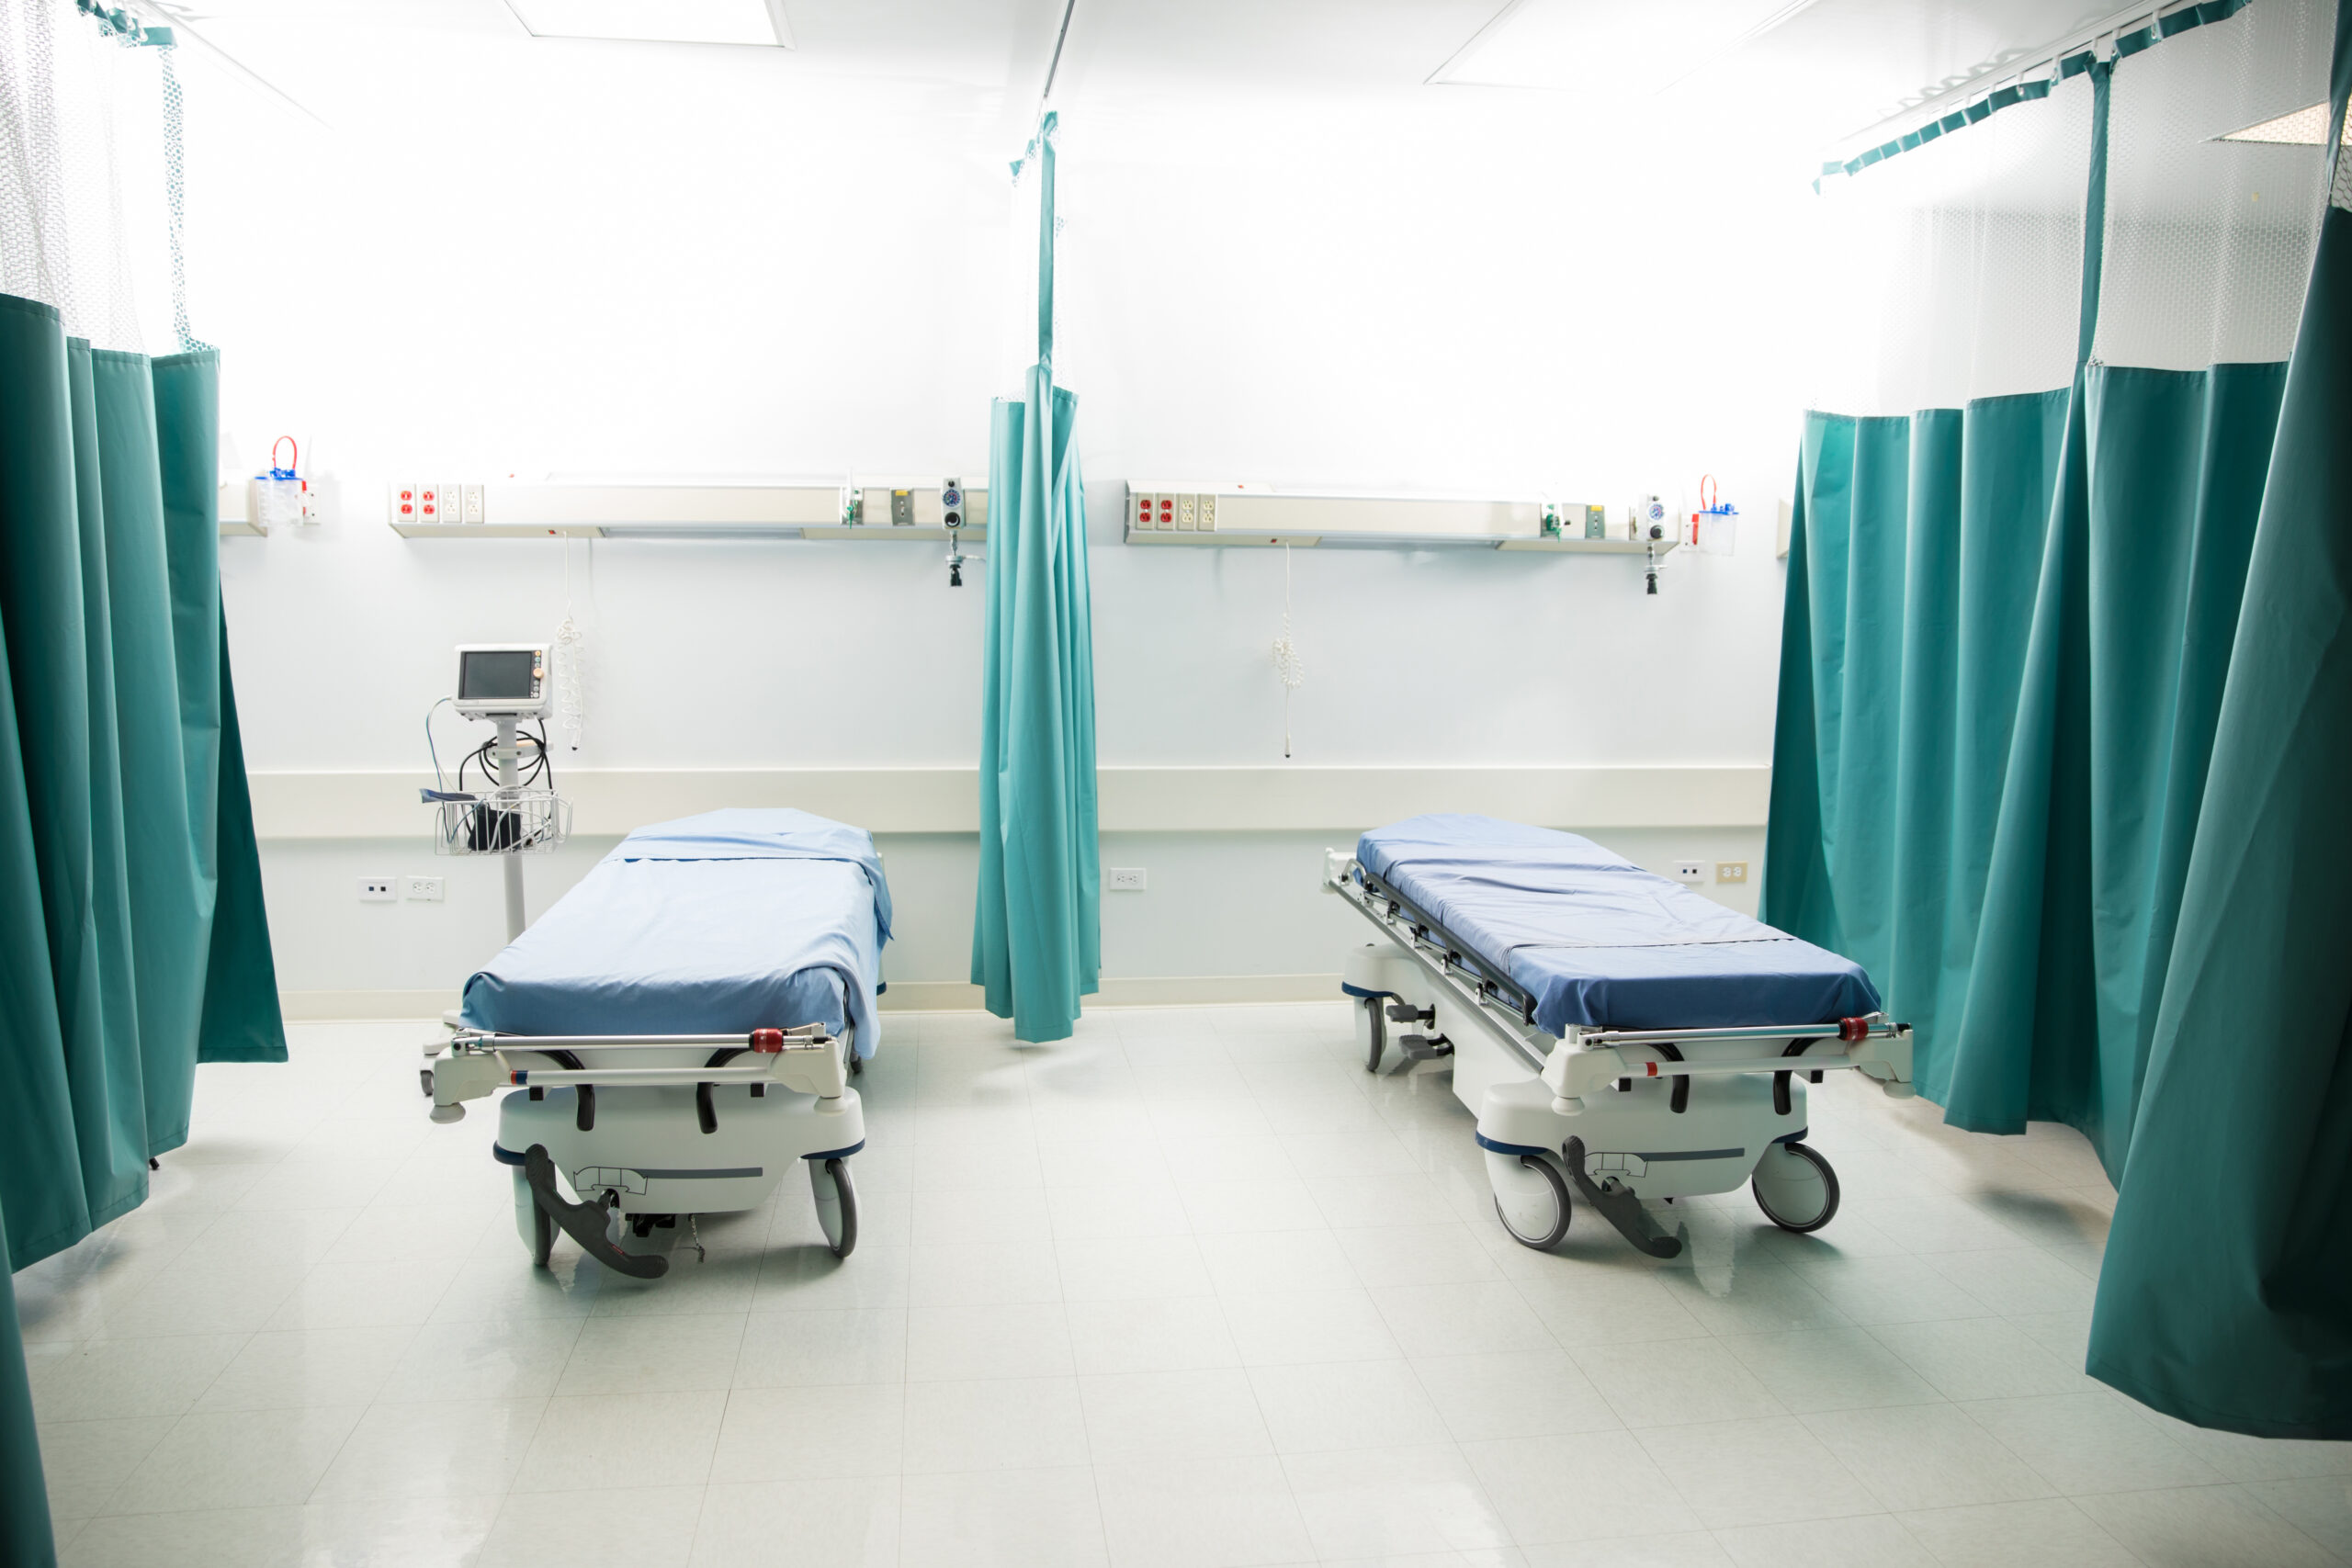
x: 568, y: 654
x: 1287, y: 666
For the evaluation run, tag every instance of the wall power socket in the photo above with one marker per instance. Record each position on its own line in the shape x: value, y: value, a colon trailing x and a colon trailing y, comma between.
x: 1124, y: 878
x: 426, y: 890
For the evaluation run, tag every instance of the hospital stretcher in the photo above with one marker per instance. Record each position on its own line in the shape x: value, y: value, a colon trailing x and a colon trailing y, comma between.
x: 1613, y: 1032
x: 678, y: 1030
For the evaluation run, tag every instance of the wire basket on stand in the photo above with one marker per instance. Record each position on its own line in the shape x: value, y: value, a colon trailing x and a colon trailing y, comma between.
x: 515, y: 821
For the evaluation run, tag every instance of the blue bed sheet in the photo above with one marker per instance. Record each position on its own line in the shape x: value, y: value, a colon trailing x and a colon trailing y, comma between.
x: 1599, y: 942
x: 717, y: 924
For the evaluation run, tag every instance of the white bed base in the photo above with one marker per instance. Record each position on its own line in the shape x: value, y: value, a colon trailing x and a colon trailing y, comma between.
x: 645, y: 1128
x: 1625, y: 1116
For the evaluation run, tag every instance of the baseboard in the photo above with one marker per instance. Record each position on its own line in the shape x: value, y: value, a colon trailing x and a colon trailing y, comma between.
x: 904, y: 995
x: 1130, y: 991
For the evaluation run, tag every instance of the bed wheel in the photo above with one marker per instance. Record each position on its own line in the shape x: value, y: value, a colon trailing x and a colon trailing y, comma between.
x: 1379, y: 1034
x: 1796, y: 1188
x: 836, y: 1204
x: 1533, y: 1206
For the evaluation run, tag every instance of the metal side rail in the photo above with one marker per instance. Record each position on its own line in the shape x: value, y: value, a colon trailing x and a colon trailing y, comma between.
x: 1456, y: 971
x: 1594, y: 1058
x: 806, y: 1058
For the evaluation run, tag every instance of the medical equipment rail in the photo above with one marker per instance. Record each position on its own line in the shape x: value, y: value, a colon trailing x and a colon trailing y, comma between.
x: 1610, y: 1110
x: 806, y: 1060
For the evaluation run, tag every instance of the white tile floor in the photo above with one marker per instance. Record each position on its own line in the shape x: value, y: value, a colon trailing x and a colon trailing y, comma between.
x: 1189, y: 1289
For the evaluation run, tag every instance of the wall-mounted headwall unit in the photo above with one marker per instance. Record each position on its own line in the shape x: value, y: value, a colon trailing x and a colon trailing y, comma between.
x: 856, y: 509
x: 237, y: 511
x: 1202, y: 513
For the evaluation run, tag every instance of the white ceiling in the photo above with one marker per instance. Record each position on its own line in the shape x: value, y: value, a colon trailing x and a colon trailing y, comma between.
x: 1824, y: 67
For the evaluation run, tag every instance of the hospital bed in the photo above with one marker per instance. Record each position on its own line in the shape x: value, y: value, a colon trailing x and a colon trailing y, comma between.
x: 678, y: 1030
x: 1613, y: 1030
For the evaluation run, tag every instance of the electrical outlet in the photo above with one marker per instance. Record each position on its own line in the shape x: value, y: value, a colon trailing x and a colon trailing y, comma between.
x: 424, y: 889
x: 1124, y: 878
x: 473, y: 505
x: 1689, y: 871
x: 404, y: 502
x: 1731, y: 871
x: 376, y: 890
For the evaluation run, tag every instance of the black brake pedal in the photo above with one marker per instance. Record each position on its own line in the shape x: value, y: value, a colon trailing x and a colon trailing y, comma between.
x: 583, y: 1223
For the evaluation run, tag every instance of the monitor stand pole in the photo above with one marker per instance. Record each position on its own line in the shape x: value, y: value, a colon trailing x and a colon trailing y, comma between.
x: 503, y: 754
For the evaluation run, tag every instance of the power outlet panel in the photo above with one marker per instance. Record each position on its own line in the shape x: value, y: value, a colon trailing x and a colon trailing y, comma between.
x: 438, y: 501
x: 1731, y: 871
x: 1689, y: 871
x: 1124, y: 878
x: 376, y: 890
x: 1172, y: 513
x: 424, y: 889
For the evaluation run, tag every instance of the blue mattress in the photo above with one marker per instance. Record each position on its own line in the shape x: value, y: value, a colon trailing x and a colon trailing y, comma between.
x: 717, y: 924
x: 1599, y: 942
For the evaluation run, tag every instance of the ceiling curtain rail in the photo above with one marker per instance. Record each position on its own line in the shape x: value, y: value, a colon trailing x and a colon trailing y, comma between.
x: 2073, y: 63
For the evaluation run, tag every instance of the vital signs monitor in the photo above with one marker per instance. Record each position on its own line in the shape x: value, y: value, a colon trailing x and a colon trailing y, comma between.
x: 502, y: 680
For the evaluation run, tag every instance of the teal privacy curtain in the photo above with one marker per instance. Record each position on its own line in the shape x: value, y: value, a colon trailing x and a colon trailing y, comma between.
x: 135, y: 936
x: 2007, y: 777
x: 2228, y: 1301
x: 1037, y: 932
x: 25, y: 1537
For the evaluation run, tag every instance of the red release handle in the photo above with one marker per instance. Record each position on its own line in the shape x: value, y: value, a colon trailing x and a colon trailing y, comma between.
x: 1853, y: 1029
x: 768, y: 1040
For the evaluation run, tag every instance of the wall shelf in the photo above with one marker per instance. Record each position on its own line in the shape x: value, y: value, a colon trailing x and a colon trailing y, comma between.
x: 971, y: 533
x: 1257, y: 515
x: 236, y: 514
x: 508, y: 511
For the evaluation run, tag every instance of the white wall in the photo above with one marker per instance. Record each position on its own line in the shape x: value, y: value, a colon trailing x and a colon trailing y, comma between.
x: 516, y: 258
x: 1220, y: 909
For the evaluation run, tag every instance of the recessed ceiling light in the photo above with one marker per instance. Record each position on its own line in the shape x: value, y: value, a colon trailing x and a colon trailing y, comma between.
x: 2304, y: 128
x: 758, y: 22
x: 1608, y: 51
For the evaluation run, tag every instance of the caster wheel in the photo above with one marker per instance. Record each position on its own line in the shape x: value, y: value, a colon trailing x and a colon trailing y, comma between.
x: 1796, y: 1188
x: 426, y: 1075
x: 1535, y: 1210
x: 836, y: 1204
x: 1379, y: 1034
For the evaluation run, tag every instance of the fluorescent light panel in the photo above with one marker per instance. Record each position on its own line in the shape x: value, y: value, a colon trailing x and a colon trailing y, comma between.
x: 2304, y: 128
x: 754, y: 22
x: 1609, y: 50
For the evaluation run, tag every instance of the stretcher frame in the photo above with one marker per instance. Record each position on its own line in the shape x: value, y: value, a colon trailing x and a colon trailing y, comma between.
x: 1585, y: 1060
x: 806, y: 1059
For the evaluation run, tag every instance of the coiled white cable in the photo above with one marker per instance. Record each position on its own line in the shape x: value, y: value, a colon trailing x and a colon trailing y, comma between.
x: 569, y: 656
x: 1288, y: 666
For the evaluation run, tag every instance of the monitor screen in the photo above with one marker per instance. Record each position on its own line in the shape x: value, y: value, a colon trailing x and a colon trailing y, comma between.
x: 496, y: 676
